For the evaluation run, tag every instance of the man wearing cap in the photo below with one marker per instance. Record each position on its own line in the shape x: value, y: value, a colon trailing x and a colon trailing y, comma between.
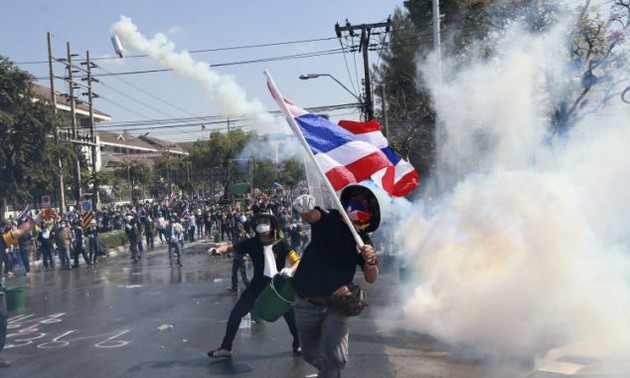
x: 269, y: 253
x: 327, y: 269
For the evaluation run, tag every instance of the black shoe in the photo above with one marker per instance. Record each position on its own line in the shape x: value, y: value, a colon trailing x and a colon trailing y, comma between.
x: 179, y: 263
x: 232, y: 290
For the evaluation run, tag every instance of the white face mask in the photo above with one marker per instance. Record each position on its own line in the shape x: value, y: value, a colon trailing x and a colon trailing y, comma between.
x: 263, y: 228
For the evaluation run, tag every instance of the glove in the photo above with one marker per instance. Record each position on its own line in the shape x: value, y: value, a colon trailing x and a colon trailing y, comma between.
x: 287, y: 272
x: 304, y: 203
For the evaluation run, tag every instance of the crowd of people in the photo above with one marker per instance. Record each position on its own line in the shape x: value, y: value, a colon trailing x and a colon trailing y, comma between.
x: 66, y: 242
x: 265, y: 230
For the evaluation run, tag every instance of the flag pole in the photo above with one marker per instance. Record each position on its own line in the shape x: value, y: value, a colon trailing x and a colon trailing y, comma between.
x: 296, y: 130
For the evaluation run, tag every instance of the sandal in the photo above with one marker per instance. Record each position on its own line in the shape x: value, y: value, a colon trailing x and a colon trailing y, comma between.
x: 219, y: 353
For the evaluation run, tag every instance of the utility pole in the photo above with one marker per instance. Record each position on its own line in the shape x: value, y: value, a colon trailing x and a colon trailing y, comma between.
x: 367, y: 30
x: 73, y: 121
x: 53, y: 99
x: 91, y: 95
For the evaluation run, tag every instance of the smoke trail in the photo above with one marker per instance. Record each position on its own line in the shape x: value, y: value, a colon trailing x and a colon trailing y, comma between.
x: 230, y: 98
x: 529, y: 251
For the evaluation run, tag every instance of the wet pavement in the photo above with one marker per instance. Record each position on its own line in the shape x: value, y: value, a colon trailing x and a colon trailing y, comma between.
x: 151, y: 320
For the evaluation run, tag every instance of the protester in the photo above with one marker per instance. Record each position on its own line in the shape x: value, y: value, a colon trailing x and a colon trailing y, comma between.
x: 25, y: 245
x: 133, y: 235
x: 63, y: 240
x: 92, y: 234
x: 7, y: 239
x: 160, y: 225
x: 238, y: 262
x: 175, y: 237
x: 45, y: 239
x: 268, y: 252
x: 79, y: 246
x: 327, y: 269
x: 149, y: 228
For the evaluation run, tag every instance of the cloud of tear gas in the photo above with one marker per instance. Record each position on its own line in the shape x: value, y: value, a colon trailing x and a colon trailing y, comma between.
x: 276, y: 145
x: 229, y: 97
x: 529, y: 251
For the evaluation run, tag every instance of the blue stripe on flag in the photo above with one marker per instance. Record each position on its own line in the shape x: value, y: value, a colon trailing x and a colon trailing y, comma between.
x: 321, y: 134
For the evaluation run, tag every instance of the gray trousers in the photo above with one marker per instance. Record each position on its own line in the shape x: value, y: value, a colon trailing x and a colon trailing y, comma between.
x: 323, y: 336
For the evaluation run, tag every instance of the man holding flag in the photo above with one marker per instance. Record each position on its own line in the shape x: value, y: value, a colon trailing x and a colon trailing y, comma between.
x: 327, y: 270
x: 343, y: 154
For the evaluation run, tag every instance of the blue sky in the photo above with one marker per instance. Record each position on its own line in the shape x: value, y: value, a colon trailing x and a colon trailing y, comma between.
x: 196, y: 25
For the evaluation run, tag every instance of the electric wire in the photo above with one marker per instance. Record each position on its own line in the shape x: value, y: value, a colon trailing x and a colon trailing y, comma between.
x: 150, y: 94
x: 199, y: 51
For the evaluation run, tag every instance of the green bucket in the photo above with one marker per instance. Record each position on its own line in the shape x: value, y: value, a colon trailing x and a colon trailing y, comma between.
x: 15, y: 299
x: 277, y: 298
x: 216, y: 237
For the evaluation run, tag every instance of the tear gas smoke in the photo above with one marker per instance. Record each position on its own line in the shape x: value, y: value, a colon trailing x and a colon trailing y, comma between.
x: 229, y: 97
x: 529, y: 249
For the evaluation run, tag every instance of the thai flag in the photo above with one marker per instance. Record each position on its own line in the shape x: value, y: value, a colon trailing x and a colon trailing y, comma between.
x: 344, y: 158
x: 24, y: 214
x: 399, y: 179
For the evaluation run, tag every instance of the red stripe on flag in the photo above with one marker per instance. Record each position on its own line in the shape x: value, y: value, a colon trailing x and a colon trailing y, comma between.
x: 358, y: 170
x: 360, y: 127
x: 406, y: 184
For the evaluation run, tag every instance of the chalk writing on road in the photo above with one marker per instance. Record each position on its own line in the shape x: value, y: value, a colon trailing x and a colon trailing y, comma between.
x: 28, y: 331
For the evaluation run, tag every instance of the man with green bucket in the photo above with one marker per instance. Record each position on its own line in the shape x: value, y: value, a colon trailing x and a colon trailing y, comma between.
x: 268, y: 252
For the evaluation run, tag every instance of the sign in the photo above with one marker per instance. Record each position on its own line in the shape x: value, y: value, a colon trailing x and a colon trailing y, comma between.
x: 45, y: 201
x: 86, y: 205
x: 86, y: 218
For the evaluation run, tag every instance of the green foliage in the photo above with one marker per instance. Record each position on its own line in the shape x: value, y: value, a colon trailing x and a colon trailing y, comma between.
x: 470, y: 29
x: 28, y: 154
x: 113, y: 239
x: 266, y: 172
x: 292, y: 173
x: 219, y: 148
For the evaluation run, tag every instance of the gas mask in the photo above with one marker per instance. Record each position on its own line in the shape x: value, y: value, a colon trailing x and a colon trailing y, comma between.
x: 263, y: 226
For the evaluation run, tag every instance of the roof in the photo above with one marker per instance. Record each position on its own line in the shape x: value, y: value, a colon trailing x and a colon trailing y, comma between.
x: 139, y: 143
x: 63, y: 103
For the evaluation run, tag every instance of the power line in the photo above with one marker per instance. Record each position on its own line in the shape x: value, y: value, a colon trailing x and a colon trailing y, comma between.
x: 162, y: 124
x: 227, y: 48
x: 151, y: 94
x: 261, y: 60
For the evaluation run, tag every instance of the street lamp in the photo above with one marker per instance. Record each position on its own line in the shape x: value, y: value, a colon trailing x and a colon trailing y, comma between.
x: 365, y: 107
x: 316, y: 75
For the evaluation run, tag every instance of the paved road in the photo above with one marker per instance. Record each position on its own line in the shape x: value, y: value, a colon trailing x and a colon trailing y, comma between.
x: 106, y: 322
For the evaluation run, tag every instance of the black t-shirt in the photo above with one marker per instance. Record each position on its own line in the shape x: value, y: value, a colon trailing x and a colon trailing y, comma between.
x: 254, y: 248
x: 330, y: 259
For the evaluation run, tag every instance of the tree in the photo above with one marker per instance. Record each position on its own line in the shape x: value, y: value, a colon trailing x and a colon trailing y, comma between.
x: 28, y: 154
x: 292, y: 173
x: 219, y: 148
x: 470, y: 31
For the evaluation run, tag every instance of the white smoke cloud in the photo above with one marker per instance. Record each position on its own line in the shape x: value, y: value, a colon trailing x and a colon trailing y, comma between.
x: 230, y: 98
x: 529, y: 251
